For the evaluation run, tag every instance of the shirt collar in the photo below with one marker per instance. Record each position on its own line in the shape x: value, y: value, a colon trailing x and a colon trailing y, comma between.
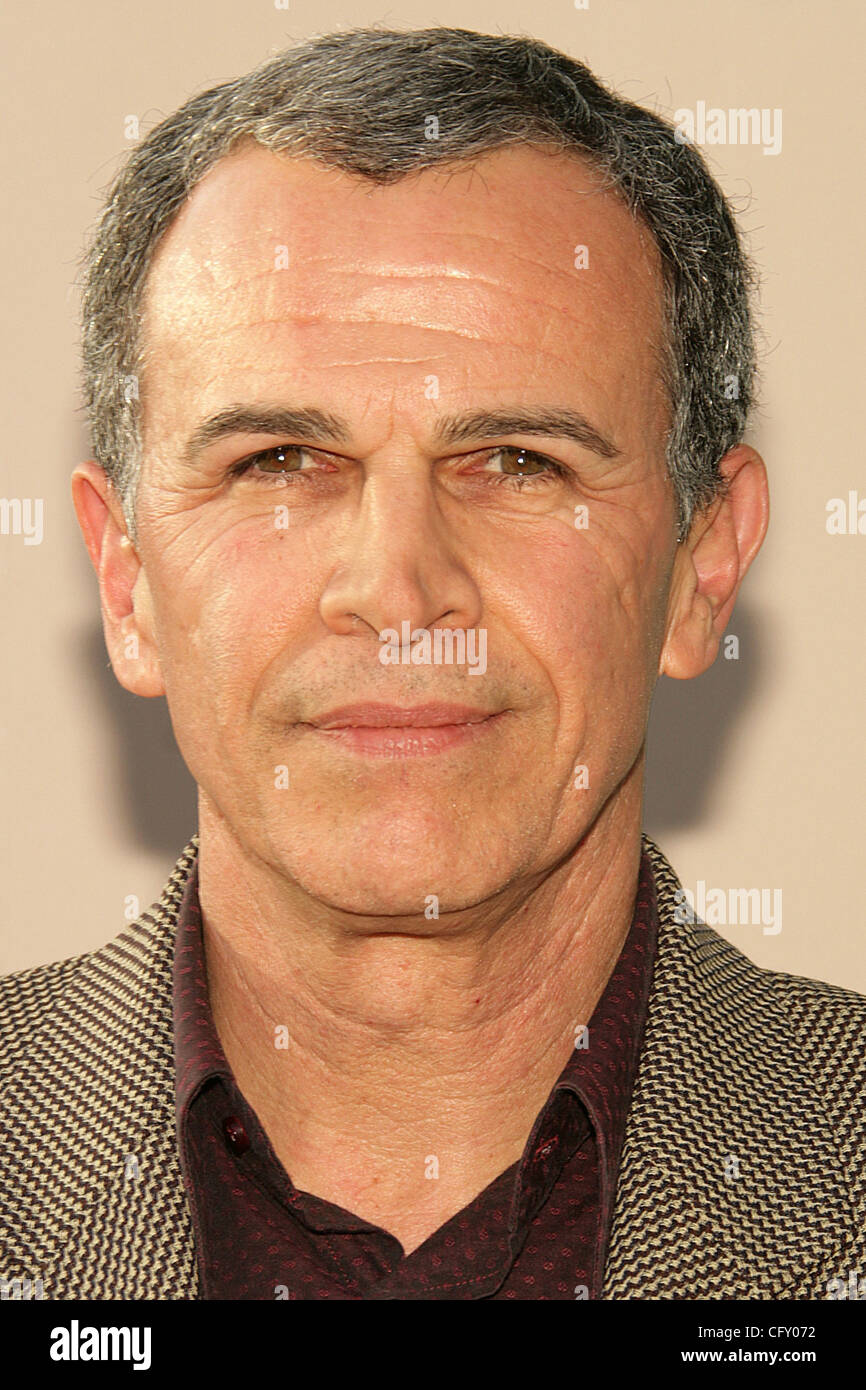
x: 594, y: 1087
x: 596, y: 1083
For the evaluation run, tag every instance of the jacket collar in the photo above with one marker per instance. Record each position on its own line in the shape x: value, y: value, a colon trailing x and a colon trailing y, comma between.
x: 729, y: 1154
x: 714, y: 1196
x: 88, y: 1120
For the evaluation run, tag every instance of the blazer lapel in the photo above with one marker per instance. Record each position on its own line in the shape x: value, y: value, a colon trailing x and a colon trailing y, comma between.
x: 90, y: 1109
x: 730, y: 1184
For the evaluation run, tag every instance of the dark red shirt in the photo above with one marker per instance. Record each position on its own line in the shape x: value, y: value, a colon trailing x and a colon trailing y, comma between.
x: 538, y: 1231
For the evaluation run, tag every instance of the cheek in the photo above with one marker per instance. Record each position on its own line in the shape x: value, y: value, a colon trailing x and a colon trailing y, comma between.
x: 585, y: 608
x: 227, y: 610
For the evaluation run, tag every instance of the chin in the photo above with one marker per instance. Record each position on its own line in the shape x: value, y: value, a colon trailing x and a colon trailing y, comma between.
x: 376, y: 878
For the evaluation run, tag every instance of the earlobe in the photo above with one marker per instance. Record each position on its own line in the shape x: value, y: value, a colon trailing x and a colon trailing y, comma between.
x: 709, y: 568
x: 691, y: 644
x: 127, y: 613
x: 136, y: 664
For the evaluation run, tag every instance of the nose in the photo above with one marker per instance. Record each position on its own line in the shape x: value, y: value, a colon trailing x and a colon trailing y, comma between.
x: 401, y: 562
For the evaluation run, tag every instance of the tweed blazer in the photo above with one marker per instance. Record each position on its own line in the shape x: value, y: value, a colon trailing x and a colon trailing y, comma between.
x: 742, y: 1172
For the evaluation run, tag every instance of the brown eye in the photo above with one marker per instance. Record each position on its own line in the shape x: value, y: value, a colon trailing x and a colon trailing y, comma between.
x: 523, y: 460
x: 522, y: 466
x: 278, y: 464
x: 283, y: 457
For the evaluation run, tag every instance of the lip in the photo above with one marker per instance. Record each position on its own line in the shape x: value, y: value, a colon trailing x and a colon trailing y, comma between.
x: 400, y: 731
x: 381, y: 716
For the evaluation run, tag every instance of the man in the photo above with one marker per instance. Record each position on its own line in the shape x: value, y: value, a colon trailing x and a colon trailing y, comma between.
x: 419, y: 366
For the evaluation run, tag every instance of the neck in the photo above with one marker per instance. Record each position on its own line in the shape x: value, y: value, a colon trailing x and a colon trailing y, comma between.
x: 418, y: 1039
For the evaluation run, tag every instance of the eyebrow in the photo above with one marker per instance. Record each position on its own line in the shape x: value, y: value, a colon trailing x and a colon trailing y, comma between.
x: 560, y: 422
x: 276, y: 420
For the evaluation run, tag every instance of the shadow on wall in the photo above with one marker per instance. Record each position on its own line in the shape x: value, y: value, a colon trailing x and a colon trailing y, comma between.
x: 694, y: 724
x: 693, y: 729
x: 156, y: 795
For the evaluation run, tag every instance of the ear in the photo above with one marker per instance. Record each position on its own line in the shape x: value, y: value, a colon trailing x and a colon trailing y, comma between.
x: 711, y: 563
x: 127, y: 609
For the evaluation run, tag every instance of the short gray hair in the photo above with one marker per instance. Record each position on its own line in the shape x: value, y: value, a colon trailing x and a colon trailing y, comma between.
x: 358, y: 101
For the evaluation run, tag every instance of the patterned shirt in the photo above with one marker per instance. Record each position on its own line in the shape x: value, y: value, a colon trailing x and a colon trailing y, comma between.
x: 538, y: 1231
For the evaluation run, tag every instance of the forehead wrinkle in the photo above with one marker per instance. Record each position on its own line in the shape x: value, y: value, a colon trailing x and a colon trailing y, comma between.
x: 628, y: 253
x: 342, y: 261
x: 341, y: 266
x: 280, y: 279
x: 242, y: 279
x: 648, y: 259
x: 550, y: 312
x: 534, y: 363
x: 532, y: 310
x: 404, y: 361
x: 306, y: 187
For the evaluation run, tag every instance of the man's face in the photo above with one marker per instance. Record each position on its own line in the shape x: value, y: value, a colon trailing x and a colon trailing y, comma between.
x: 283, y: 285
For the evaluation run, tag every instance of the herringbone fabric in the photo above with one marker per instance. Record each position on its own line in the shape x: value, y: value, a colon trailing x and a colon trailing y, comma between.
x: 91, y: 1191
x: 743, y: 1167
x: 742, y: 1171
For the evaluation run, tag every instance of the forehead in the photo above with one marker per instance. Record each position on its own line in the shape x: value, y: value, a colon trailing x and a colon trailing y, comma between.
x: 521, y: 247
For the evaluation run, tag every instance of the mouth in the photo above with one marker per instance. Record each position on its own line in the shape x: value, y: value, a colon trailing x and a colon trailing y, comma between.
x: 400, y: 731
x: 381, y: 716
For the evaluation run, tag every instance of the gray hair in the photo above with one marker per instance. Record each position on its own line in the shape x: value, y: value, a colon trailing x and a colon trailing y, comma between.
x: 358, y: 101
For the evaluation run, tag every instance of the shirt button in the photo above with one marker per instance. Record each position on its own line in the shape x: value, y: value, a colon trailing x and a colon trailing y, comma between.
x: 546, y: 1149
x: 236, y: 1136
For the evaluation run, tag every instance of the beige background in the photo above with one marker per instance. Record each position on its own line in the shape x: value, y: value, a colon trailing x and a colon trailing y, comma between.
x: 756, y: 770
